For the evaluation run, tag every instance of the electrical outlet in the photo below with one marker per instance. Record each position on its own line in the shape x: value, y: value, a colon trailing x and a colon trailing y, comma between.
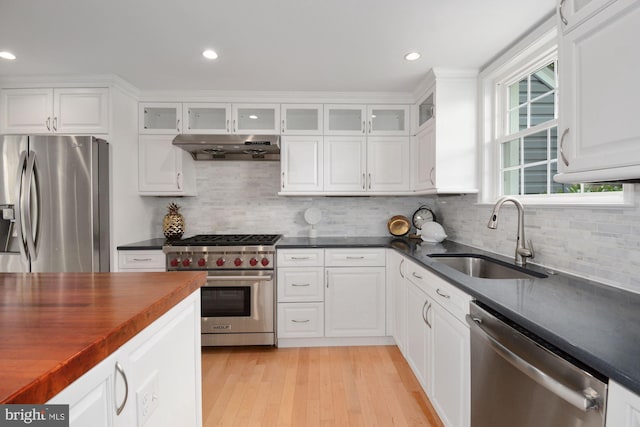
x: 148, y: 398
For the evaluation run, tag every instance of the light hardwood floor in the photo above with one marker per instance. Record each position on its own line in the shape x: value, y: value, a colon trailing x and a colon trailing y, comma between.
x: 325, y: 386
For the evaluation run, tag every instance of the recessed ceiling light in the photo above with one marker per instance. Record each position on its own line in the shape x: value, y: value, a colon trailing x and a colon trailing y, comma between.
x: 253, y: 117
x: 209, y: 54
x: 412, y: 56
x: 7, y: 55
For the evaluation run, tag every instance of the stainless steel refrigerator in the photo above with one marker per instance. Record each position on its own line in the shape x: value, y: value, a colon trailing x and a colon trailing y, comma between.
x: 54, y: 199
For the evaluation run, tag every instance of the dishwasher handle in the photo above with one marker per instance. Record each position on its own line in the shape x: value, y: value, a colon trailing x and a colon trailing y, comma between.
x: 584, y: 400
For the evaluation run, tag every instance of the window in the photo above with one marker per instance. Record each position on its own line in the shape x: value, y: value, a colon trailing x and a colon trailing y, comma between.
x: 521, y: 129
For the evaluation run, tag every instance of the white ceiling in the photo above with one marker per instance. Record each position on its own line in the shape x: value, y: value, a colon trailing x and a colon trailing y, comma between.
x: 265, y: 45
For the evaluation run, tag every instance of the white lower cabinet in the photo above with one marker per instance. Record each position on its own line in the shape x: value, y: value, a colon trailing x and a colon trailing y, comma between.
x: 450, y: 367
x: 331, y: 297
x: 418, y: 334
x: 153, y: 379
x: 623, y: 407
x: 355, y: 302
x: 438, y: 343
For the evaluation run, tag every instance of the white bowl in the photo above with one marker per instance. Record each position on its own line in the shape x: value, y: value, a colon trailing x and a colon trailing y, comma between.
x: 432, y: 232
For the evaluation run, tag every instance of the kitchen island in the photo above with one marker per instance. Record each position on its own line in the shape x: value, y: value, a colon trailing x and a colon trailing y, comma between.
x: 58, y: 326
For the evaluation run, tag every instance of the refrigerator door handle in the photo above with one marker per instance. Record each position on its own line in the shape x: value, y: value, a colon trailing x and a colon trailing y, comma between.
x: 19, y: 207
x: 32, y: 236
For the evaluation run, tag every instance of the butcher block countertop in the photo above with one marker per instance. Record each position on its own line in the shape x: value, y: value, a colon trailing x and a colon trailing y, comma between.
x: 54, y: 327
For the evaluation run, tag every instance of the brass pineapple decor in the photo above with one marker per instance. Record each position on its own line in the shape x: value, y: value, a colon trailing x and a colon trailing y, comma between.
x: 173, y: 223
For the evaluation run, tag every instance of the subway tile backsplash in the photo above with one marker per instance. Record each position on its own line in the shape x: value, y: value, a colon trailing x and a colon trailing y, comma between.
x: 602, y: 244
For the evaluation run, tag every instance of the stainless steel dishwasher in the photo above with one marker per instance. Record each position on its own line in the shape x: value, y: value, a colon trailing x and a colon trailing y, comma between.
x: 517, y: 380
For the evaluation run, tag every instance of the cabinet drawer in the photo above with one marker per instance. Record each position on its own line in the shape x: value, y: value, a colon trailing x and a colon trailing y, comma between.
x: 141, y: 260
x: 300, y: 257
x: 417, y: 275
x: 448, y: 296
x: 296, y: 284
x: 354, y: 257
x: 301, y: 320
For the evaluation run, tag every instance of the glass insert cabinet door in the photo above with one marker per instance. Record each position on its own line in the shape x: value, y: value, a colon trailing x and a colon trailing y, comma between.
x: 256, y: 118
x: 388, y: 120
x: 160, y: 118
x: 345, y: 119
x: 207, y: 118
x: 301, y: 119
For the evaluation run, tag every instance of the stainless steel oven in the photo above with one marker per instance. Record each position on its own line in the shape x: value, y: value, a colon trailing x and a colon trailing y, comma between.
x: 238, y: 300
x: 238, y: 308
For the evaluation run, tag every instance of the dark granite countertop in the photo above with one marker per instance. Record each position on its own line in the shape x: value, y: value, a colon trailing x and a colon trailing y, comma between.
x: 144, y: 245
x: 596, y: 324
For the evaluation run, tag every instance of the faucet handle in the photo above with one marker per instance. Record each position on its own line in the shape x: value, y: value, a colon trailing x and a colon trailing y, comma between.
x: 531, y: 250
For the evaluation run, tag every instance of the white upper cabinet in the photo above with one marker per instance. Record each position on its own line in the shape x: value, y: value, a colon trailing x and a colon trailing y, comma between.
x: 374, y: 120
x: 345, y: 164
x: 574, y: 12
x: 388, y: 163
x: 60, y: 110
x: 301, y: 119
x: 163, y: 169
x: 444, y: 145
x: 160, y: 118
x: 206, y: 118
x: 301, y: 162
x: 598, y: 88
x: 345, y: 119
x: 388, y: 120
x: 255, y: 118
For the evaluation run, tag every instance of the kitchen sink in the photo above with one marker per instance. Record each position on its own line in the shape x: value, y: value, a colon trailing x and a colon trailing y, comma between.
x: 484, y: 267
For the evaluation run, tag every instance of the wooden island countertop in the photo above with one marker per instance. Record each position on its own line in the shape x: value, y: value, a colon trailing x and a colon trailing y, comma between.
x: 54, y: 327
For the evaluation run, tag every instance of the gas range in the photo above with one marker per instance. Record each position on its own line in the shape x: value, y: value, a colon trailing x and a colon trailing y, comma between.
x: 222, y: 252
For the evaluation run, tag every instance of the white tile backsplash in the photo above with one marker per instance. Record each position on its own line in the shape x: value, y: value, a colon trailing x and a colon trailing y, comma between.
x: 602, y: 244
x: 241, y: 197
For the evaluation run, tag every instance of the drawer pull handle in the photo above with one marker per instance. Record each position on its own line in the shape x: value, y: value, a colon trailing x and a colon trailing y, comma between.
x: 305, y: 284
x: 443, y: 295
x: 119, y: 370
x: 141, y: 259
x: 413, y: 273
x: 300, y: 321
x: 299, y: 257
x: 355, y: 257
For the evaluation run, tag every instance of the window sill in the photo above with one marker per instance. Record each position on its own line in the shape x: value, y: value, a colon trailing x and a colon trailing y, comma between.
x: 625, y: 200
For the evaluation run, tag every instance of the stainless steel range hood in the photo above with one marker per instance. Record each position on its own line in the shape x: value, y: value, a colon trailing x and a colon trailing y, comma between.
x: 230, y: 147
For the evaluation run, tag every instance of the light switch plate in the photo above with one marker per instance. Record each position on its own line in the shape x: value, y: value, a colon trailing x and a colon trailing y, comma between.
x: 148, y: 398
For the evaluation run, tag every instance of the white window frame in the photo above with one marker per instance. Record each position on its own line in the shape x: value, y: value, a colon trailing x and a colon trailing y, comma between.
x: 531, y: 53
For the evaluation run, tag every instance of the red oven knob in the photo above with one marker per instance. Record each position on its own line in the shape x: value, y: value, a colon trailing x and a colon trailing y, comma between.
x: 265, y: 261
x: 237, y: 262
x: 253, y: 262
x: 220, y: 262
x: 174, y: 262
x: 202, y: 262
x: 186, y: 262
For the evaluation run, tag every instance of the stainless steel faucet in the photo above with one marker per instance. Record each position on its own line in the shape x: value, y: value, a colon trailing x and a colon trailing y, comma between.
x: 522, y: 251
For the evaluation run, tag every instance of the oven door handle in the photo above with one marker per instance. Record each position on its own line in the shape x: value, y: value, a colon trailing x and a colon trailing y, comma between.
x: 582, y: 400
x: 262, y: 278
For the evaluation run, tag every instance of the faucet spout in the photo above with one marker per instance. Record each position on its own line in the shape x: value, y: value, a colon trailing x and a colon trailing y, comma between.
x: 522, y: 251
